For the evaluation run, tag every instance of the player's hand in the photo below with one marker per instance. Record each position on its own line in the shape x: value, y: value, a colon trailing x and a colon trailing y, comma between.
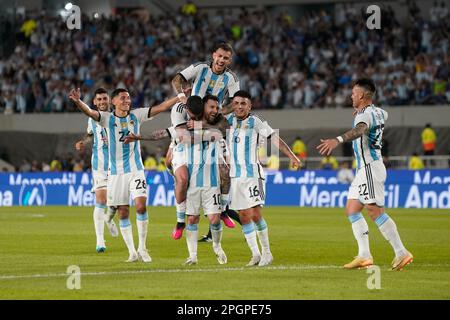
x: 187, y: 91
x: 190, y: 124
x: 131, y: 138
x: 79, y: 146
x: 296, y: 162
x: 75, y: 95
x: 183, y: 100
x: 327, y: 146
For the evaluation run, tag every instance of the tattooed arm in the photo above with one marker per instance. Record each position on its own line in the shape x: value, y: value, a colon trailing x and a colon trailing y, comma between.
x: 155, y: 135
x: 177, y: 84
x: 81, y: 144
x: 328, y: 145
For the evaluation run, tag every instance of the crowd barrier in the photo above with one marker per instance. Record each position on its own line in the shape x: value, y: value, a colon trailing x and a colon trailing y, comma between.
x: 309, y: 188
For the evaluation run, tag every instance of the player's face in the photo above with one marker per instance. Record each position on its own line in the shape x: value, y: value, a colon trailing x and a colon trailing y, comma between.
x: 101, y: 101
x: 211, y: 110
x: 122, y: 101
x: 357, y: 96
x: 221, y: 60
x: 241, y: 107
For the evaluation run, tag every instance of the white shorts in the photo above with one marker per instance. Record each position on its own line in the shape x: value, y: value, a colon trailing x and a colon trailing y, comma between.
x: 121, y: 186
x: 368, y: 185
x: 100, y: 179
x: 247, y: 193
x: 207, y: 198
x: 178, y: 157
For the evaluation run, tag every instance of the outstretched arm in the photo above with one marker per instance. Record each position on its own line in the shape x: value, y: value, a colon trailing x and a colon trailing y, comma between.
x: 75, y: 96
x: 328, y: 145
x: 154, y: 136
x: 284, y: 148
x: 164, y: 106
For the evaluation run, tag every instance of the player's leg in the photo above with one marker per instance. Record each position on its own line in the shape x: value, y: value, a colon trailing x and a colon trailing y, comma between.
x: 181, y: 177
x: 119, y: 196
x: 263, y: 235
x: 211, y: 208
x: 242, y: 201
x: 109, y: 213
x: 193, y: 204
x: 138, y: 190
x: 387, y: 226
x: 360, y: 228
x: 225, y: 184
x: 100, y: 185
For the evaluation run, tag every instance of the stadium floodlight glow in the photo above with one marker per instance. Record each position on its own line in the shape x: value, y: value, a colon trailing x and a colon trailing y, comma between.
x: 68, y: 6
x: 96, y: 15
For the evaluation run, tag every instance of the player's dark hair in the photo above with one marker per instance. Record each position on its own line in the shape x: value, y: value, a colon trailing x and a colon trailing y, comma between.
x: 100, y: 91
x: 117, y: 91
x: 367, y: 84
x: 195, y: 105
x: 243, y: 94
x: 224, y: 46
x: 209, y: 97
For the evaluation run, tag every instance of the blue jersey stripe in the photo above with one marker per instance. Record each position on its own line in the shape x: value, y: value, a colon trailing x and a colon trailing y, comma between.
x: 105, y: 151
x: 190, y: 150
x: 235, y: 152
x: 201, y: 166
x: 112, y: 145
x: 137, y: 149
x: 200, y: 81
x: 248, y: 139
x: 213, y: 173
x: 372, y: 137
x: 212, y: 83
x: 221, y: 94
x: 125, y: 147
x: 94, y: 146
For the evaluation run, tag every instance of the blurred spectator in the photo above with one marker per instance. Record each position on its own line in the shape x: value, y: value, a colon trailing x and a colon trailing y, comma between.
x: 329, y: 163
x: 150, y: 163
x: 273, y: 163
x: 25, y: 166
x: 428, y: 140
x: 299, y: 148
x: 161, y: 165
x: 56, y: 165
x: 415, y: 162
x: 345, y: 174
x: 282, y: 60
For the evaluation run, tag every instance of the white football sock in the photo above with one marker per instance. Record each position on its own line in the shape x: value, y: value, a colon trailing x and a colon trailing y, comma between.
x: 263, y: 235
x: 181, y: 211
x: 99, y: 224
x: 389, y: 231
x: 216, y: 234
x: 142, y: 226
x: 127, y: 234
x: 361, y: 233
x: 250, y: 236
x: 191, y: 239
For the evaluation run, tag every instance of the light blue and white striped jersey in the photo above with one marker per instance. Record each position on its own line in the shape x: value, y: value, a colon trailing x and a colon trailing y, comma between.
x: 203, y: 162
x: 124, y: 158
x: 99, y: 159
x: 208, y: 82
x: 243, y: 142
x: 368, y: 147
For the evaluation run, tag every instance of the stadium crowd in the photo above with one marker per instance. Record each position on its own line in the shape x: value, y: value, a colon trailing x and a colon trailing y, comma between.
x: 283, y: 62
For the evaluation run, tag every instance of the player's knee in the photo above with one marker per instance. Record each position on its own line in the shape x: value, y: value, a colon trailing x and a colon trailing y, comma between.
x: 124, y: 212
x: 193, y: 219
x: 141, y: 208
x: 214, y: 218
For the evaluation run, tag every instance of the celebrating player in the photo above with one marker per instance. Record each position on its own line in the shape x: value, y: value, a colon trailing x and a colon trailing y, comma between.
x: 367, y: 189
x: 99, y: 164
x: 125, y: 163
x: 247, y: 176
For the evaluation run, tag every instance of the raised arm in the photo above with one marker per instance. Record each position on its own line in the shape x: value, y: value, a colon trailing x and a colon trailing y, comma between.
x: 75, y: 96
x: 328, y: 145
x: 284, y: 148
x: 177, y: 84
x: 164, y: 106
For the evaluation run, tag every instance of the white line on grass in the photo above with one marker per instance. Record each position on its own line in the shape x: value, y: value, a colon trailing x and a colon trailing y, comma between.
x: 193, y: 270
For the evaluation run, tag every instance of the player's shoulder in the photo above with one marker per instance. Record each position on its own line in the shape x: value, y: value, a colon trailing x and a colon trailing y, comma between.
x: 178, y: 108
x: 201, y: 64
x: 257, y: 117
x: 232, y: 74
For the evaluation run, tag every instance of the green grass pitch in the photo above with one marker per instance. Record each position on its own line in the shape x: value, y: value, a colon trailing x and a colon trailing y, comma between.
x: 37, y: 244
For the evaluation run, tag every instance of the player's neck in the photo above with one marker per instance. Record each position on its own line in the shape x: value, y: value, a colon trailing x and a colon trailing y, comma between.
x: 120, y: 113
x: 364, y: 104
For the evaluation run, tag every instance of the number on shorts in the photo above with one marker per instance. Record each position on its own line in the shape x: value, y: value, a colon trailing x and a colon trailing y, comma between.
x: 363, y: 190
x: 253, y: 192
x: 140, y: 184
x: 216, y: 198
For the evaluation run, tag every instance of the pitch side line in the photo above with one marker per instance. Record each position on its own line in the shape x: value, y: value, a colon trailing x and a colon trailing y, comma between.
x: 194, y: 270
